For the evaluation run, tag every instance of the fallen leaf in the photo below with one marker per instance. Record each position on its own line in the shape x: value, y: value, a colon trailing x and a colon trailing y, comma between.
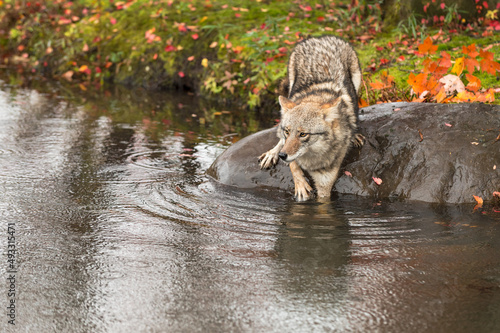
x: 479, y: 201
x: 474, y: 83
x: 458, y: 68
x: 449, y: 125
x: 427, y: 47
x: 452, y: 83
x: 377, y: 181
x: 496, y: 194
x: 347, y: 173
x: 421, y: 135
x: 204, y: 62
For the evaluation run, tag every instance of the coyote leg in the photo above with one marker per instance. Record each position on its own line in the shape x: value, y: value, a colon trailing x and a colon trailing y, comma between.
x: 302, y: 187
x: 270, y: 158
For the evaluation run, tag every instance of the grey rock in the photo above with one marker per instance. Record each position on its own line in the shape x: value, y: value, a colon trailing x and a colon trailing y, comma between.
x: 408, y: 145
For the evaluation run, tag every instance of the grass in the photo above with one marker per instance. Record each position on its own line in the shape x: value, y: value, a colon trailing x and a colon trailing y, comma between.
x: 236, y: 51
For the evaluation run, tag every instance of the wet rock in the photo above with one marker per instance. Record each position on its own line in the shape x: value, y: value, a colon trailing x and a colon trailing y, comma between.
x: 426, y: 152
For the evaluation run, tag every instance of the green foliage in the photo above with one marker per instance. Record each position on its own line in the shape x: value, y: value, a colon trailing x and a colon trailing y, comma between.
x: 237, y: 50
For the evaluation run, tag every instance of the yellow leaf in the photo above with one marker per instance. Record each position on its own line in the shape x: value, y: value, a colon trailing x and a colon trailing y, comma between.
x: 83, y: 68
x: 204, y: 62
x: 203, y: 19
x: 458, y: 68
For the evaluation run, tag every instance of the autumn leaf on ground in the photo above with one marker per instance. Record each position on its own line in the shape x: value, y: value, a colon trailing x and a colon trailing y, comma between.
x: 427, y: 47
x: 458, y: 68
x: 474, y: 83
x: 487, y: 63
x: 418, y: 82
x: 470, y: 50
x: 471, y: 65
x: 377, y: 181
x: 441, y: 96
x: 452, y: 83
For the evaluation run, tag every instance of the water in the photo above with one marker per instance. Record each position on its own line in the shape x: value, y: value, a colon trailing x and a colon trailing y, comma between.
x: 117, y: 229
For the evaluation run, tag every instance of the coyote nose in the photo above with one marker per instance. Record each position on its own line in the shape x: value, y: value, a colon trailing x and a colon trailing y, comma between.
x: 283, y: 156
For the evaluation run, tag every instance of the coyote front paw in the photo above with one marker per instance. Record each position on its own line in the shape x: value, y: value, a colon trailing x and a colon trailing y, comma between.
x: 358, y: 140
x: 302, y: 190
x: 268, y: 159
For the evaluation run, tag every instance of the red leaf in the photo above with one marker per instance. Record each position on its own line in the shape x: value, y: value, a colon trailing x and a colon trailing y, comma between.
x: 377, y: 181
x: 112, y: 20
x: 170, y: 48
x: 195, y: 36
x: 181, y: 74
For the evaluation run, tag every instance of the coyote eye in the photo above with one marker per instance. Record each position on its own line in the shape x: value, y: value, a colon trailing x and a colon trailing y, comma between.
x: 286, y: 131
x: 302, y: 134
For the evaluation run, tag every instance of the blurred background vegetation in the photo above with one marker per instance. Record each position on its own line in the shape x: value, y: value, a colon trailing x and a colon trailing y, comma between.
x: 234, y: 52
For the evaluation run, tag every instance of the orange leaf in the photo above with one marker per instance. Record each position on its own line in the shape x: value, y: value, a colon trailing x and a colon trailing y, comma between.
x: 445, y: 61
x: 418, y: 82
x: 470, y: 50
x: 464, y: 96
x: 458, y: 68
x: 479, y: 200
x: 474, y: 83
x: 471, y: 64
x: 377, y: 181
x: 441, y: 96
x: 377, y: 85
x: 486, y: 55
x: 486, y: 97
x: 362, y: 103
x: 427, y: 47
x: 490, y: 66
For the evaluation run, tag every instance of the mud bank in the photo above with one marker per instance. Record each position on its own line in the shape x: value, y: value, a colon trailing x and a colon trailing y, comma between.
x: 426, y: 152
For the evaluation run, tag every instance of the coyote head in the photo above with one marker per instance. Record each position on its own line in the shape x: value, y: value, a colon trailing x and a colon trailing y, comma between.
x: 309, y: 129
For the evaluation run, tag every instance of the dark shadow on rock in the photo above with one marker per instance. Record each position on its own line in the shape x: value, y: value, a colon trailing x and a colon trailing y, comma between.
x: 410, y: 146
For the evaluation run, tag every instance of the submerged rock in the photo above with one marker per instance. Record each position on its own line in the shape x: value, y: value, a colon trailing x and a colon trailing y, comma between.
x: 427, y: 152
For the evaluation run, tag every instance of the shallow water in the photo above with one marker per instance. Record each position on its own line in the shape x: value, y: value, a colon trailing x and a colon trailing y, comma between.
x: 117, y: 229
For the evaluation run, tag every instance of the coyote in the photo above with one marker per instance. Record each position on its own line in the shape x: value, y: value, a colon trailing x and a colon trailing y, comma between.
x: 319, y: 113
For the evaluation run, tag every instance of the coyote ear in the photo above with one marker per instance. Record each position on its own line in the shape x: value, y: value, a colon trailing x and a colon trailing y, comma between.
x: 285, y: 103
x: 330, y: 109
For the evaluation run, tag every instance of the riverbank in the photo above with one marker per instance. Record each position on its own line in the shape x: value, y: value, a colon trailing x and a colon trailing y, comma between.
x: 238, y: 52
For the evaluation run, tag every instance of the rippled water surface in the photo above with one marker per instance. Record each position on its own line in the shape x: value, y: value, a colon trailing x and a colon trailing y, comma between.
x: 118, y: 229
